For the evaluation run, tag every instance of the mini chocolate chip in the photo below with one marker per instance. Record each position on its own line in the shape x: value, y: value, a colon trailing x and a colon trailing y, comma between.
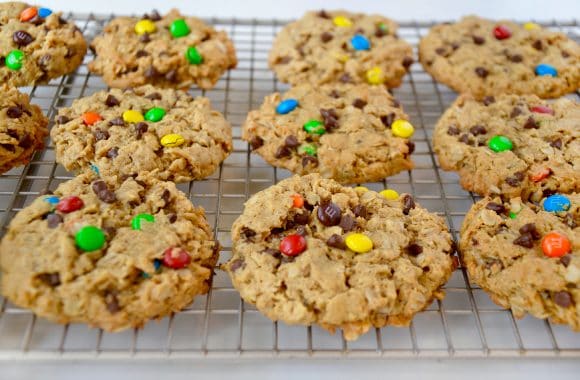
x: 531, y: 124
x: 256, y: 142
x: 498, y: 208
x: 488, y: 100
x: 111, y: 101
x: 308, y: 206
x: 565, y: 54
x: 440, y: 50
x: 62, y: 119
x: 345, y: 78
x: 548, y: 192
x: 277, y: 231
x: 334, y: 94
x: 323, y: 14
x: 563, y: 299
x: 347, y: 223
x: 481, y: 72
x: 512, y: 181
x: 565, y: 260
x: 36, y: 20
x: 325, y: 37
x: 154, y: 96
x: 236, y: 264
x: 478, y: 130
x: 145, y: 38
x: 53, y: 220
x: 516, y: 111
x: 556, y: 143
x: 478, y: 40
x: 411, y: 146
x: 22, y: 38
x: 300, y: 230
x: 272, y: 252
x: 407, y: 62
x: 284, y: 60
x: 154, y: 15
x: 112, y: 302
x: 150, y: 72
x: 525, y: 240
x: 537, y: 44
x: 50, y: 279
x: 283, y: 151
x: 408, y: 204
x: 117, y: 121
x: 14, y: 112
x: 360, y: 211
x: 464, y: 138
x: 516, y: 58
x: 414, y: 249
x: 453, y: 131
x: 113, y: 152
x: 141, y: 54
x: 474, y: 241
x: 569, y: 220
x: 171, y: 76
x: 291, y: 142
x: 530, y: 228
x: 248, y: 233
x: 309, y: 160
x: 302, y: 218
x: 166, y: 196
x: 100, y: 134
x: 172, y: 218
x: 336, y: 241
x: 359, y: 103
x: 140, y: 129
x: 396, y: 103
x: 328, y: 113
x: 103, y: 193
x: 2, y: 61
x: 26, y: 142
x: 387, y: 120
x: 455, y: 45
x: 329, y: 214
x: 519, y: 175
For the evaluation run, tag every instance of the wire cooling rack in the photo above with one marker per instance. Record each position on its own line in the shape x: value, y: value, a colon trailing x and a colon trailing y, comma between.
x: 219, y: 325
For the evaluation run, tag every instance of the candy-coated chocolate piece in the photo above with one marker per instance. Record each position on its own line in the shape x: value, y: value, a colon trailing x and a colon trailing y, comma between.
x: 155, y: 114
x: 44, y: 12
x: 342, y: 21
x: 542, y: 174
x: 544, y: 69
x: 297, y: 201
x: 70, y: 204
x: 139, y: 218
x: 15, y: 59
x: 501, y: 32
x: 90, y: 118
x: 542, y: 109
x: 309, y: 149
x: 390, y: 194
x: 500, y: 143
x: 554, y: 244
x: 179, y: 28
x: 360, y: 42
x: 90, y: 238
x: 557, y: 203
x: 145, y: 26
x: 531, y: 26
x: 358, y: 243
x: 402, y: 128
x: 194, y: 56
x: 286, y: 106
x: 293, y: 245
x: 176, y: 258
x: 52, y: 199
x: 375, y: 76
x: 315, y: 127
x: 132, y: 116
x: 28, y: 13
x: 172, y: 140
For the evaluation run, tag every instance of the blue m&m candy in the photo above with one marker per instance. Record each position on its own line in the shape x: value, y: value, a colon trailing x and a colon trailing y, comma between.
x: 556, y: 203
x: 44, y: 12
x: 360, y: 42
x: 53, y: 199
x: 286, y: 106
x: 544, y: 69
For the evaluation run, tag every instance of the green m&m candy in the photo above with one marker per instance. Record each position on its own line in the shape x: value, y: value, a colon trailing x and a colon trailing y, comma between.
x: 500, y: 143
x: 90, y: 238
x: 14, y: 59
x: 137, y: 219
x: 193, y: 55
x: 179, y: 28
x: 309, y: 149
x: 315, y: 127
x: 155, y: 114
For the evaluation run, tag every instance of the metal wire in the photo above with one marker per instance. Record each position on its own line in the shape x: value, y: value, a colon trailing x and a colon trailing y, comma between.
x: 220, y: 325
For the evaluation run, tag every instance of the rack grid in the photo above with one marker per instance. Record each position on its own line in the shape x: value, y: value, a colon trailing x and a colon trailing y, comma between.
x: 219, y: 325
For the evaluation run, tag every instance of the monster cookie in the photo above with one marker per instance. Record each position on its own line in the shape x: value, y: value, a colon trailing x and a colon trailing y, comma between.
x: 326, y: 47
x: 37, y: 45
x: 172, y: 51
x: 511, y: 145
x: 144, y: 131
x: 485, y: 57
x: 310, y: 251
x: 351, y: 133
x: 22, y: 128
x: 111, y: 256
x: 527, y: 255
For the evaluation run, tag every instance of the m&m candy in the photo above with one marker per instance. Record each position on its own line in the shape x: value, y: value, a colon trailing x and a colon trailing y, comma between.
x: 315, y: 127
x: 554, y: 244
x: 179, y: 28
x: 360, y: 42
x: 286, y: 106
x: 540, y: 175
x: 500, y: 143
x: 309, y: 149
x: 544, y: 69
x: 44, y: 12
x: 402, y: 128
x: 193, y: 56
x: 90, y: 118
x: 53, y: 200
x: 375, y: 76
x: 293, y: 245
x: 69, y: 204
x: 361, y: 189
x: 557, y: 203
x: 390, y: 194
x: 145, y: 26
x: 15, y: 59
x: 501, y: 32
x: 342, y: 21
x: 28, y: 14
x: 358, y: 243
x: 531, y: 26
x: 297, y: 201
x: 132, y: 116
x: 137, y: 220
x: 90, y: 238
x: 176, y: 258
x: 155, y: 114
x: 542, y: 109
x: 172, y: 140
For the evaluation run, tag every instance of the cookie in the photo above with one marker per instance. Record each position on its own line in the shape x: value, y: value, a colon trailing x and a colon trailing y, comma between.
x: 351, y: 133
x: 511, y: 145
x: 310, y: 251
x: 144, y: 131
x: 485, y: 58
x: 111, y: 256
x: 23, y: 128
x: 527, y: 255
x: 338, y: 46
x: 37, y: 45
x: 173, y: 51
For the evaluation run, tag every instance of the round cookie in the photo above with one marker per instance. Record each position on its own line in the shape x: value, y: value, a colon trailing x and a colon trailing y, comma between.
x: 37, y: 45
x: 111, y: 257
x: 173, y: 51
x: 310, y: 251
x: 526, y: 258
x: 338, y: 46
x: 23, y: 128
x: 344, y: 132
x: 544, y: 137
x: 145, y: 131
x: 485, y: 57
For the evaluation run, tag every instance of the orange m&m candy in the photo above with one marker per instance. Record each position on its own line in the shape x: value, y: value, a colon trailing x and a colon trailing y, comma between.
x: 297, y: 201
x: 28, y: 14
x: 554, y: 244
x: 544, y: 173
x: 90, y: 118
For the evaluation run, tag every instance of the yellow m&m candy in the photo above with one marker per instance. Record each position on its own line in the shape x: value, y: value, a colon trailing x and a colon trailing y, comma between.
x: 358, y: 243
x: 172, y: 140
x: 145, y: 26
x: 531, y: 26
x: 132, y: 116
x: 402, y: 128
x: 375, y: 76
x: 390, y: 194
x: 361, y: 189
x: 342, y: 21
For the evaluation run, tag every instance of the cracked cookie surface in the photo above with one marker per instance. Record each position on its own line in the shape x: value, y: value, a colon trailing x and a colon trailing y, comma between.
x: 328, y: 283
x: 131, y: 278
x: 545, y: 153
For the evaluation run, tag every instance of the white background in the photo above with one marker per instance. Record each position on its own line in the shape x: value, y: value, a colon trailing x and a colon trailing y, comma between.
x: 340, y: 369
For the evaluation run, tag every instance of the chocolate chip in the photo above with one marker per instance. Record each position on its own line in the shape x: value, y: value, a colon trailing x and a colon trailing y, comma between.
x: 530, y: 228
x: 154, y: 15
x: 407, y: 62
x: 345, y: 78
x: 334, y: 94
x: 516, y: 58
x: 440, y: 51
x: 113, y: 152
x: 478, y: 130
x: 329, y: 214
x: 172, y: 218
x: 53, y: 220
x: 453, y: 131
x: 9, y: 147
x: 236, y: 264
x: 141, y: 54
x: 103, y: 193
x: 302, y: 218
x: 408, y: 204
x: 284, y: 60
x: 50, y: 279
x: 359, y: 103
x: 150, y: 72
x: 548, y: 192
x: 166, y: 196
x: 291, y: 142
x: 464, y: 138
x: 537, y: 44
x: 145, y: 38
x: 516, y: 111
x: 26, y: 142
x: 323, y: 14
x: 309, y: 160
x: 565, y: 260
x: 563, y: 299
x: 112, y: 302
x: 36, y: 20
x: 347, y: 223
x: 248, y: 233
x: 256, y: 142
x: 308, y: 206
x: 330, y: 118
x: 396, y: 103
x: 154, y: 96
x: 283, y: 151
x: 336, y: 241
x: 140, y: 129
x: 100, y: 134
x: 387, y: 120
x: 171, y: 76
x: 14, y: 112
x: 569, y: 220
x: 498, y: 208
x: 565, y: 54
x: 62, y: 119
x: 117, y: 121
x: 481, y: 72
x: 21, y: 38
x: 556, y: 143
x: 488, y: 100
x: 360, y: 211
x: 2, y: 61
x: 325, y: 37
x: 525, y: 240
x: 512, y: 181
x: 272, y: 252
x: 531, y: 124
x: 411, y: 146
x: 300, y: 230
x: 414, y: 249
x: 478, y: 40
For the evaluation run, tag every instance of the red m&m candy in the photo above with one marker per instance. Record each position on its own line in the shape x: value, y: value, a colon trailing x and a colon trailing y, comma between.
x: 554, y: 244
x: 293, y: 245
x: 70, y: 204
x: 501, y: 32
x: 542, y: 109
x: 176, y: 258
